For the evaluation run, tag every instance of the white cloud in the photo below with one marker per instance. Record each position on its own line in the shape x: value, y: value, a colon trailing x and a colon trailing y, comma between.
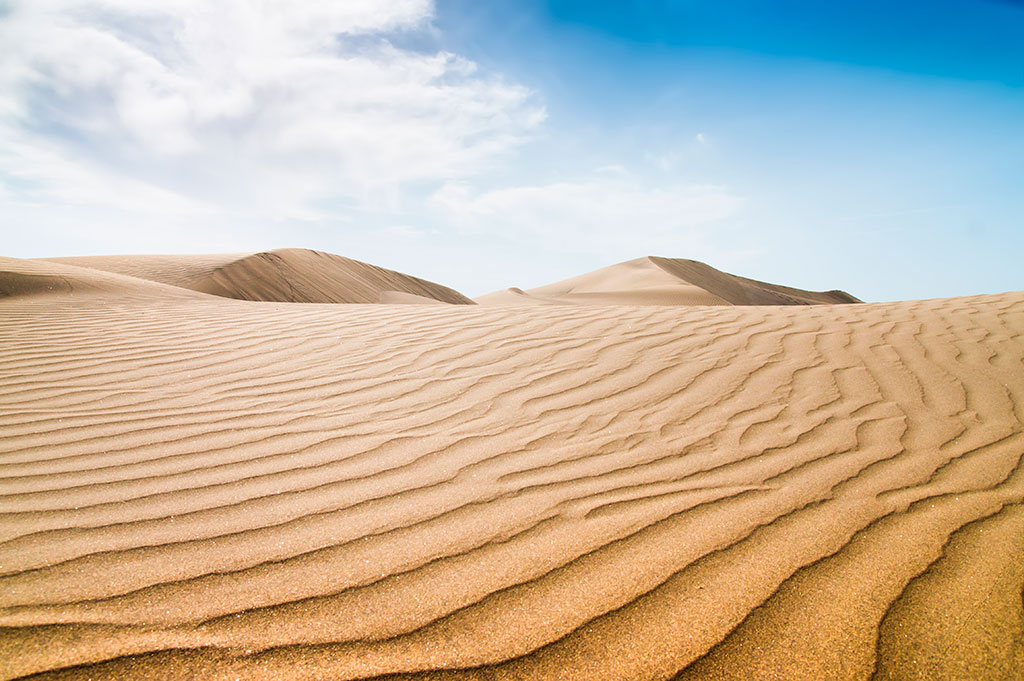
x: 33, y: 174
x: 173, y: 125
x: 243, y: 106
x: 613, y: 169
x: 401, y: 232
x: 664, y: 161
x: 610, y: 216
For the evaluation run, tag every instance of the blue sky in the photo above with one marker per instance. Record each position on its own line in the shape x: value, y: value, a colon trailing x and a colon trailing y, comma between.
x: 872, y: 146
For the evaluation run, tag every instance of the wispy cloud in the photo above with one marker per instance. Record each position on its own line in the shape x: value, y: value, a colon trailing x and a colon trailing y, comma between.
x: 267, y: 107
x: 610, y: 216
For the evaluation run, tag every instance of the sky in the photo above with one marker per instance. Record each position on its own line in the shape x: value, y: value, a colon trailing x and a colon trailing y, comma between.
x: 873, y: 146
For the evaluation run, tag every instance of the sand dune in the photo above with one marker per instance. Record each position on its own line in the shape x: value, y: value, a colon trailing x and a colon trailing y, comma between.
x: 195, y: 487
x: 290, y: 275
x: 662, y: 281
x: 25, y: 278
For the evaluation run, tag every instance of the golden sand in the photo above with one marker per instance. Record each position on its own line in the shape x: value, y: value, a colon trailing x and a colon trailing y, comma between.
x: 198, y: 487
x: 663, y: 281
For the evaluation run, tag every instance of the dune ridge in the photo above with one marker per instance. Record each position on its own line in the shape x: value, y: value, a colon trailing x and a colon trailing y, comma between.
x: 662, y: 281
x: 20, y: 278
x: 291, y: 275
x: 198, y: 487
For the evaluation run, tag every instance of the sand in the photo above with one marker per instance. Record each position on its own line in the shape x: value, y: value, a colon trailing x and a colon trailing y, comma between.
x: 288, y: 275
x: 198, y: 487
x: 663, y: 281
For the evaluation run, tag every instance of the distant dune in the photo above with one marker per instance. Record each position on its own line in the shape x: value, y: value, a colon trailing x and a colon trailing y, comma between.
x: 197, y: 487
x: 663, y: 281
x: 23, y: 278
x: 289, y: 275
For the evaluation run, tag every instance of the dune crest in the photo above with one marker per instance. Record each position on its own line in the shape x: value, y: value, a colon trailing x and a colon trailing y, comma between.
x: 289, y: 275
x: 662, y: 281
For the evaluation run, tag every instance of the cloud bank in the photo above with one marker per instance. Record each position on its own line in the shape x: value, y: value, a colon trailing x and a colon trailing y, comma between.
x: 184, y: 125
x: 272, y: 107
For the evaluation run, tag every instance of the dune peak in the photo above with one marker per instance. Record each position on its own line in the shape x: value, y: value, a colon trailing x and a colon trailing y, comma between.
x: 292, y: 275
x: 654, y: 280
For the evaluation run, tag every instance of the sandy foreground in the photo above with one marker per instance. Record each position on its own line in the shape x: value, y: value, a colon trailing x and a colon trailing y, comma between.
x: 198, y: 487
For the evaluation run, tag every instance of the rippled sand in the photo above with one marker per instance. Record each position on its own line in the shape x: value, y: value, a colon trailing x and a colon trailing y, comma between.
x: 195, y: 487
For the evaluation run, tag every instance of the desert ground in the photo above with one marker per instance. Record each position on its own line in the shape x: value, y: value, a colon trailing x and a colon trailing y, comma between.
x: 293, y: 465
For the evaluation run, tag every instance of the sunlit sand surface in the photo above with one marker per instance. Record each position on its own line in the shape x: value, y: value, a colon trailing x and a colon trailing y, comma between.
x: 194, y: 486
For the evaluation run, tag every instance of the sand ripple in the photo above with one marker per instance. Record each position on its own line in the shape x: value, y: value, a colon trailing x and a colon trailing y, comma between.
x: 195, y: 487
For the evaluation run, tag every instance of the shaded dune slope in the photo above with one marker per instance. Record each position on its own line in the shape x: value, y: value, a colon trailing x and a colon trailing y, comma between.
x: 743, y: 291
x: 210, y: 489
x: 26, y: 278
x: 662, y: 281
x: 286, y: 275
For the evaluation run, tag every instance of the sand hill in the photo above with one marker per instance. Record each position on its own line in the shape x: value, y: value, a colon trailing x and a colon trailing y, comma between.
x: 663, y: 281
x: 196, y: 487
x: 290, y: 275
x: 23, y: 278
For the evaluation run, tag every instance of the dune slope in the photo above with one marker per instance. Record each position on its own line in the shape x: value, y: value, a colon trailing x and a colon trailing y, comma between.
x: 21, y: 278
x: 662, y: 281
x: 743, y: 291
x: 208, y: 488
x: 287, y: 275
